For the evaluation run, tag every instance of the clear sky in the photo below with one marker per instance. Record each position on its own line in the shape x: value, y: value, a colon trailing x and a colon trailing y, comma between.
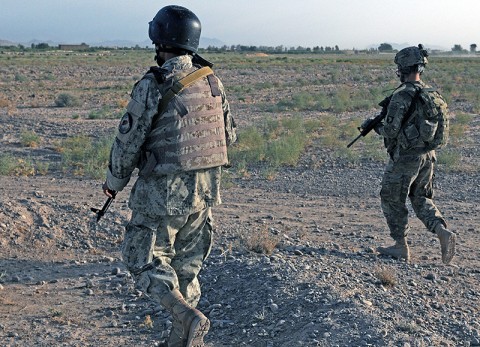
x: 346, y: 23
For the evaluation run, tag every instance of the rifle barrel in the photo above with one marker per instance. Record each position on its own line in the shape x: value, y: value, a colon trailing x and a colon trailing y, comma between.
x: 354, y: 140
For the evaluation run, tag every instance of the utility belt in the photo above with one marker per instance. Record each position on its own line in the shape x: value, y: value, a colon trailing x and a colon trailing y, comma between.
x: 419, y: 148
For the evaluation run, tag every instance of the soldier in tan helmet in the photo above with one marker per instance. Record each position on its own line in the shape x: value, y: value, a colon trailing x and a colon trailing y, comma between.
x: 415, y: 125
x: 175, y: 131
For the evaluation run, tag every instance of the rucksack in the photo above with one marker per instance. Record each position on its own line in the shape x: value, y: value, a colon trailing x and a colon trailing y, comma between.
x: 432, y: 120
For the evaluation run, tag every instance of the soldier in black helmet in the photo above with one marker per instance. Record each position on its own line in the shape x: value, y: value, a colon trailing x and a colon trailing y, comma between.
x: 176, y: 130
x: 416, y: 124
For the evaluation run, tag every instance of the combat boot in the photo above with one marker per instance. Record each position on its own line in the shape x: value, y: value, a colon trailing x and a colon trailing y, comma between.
x: 189, y: 324
x: 447, y: 242
x: 399, y: 250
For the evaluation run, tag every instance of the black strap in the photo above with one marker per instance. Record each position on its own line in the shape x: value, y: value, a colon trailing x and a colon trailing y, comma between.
x: 409, y: 115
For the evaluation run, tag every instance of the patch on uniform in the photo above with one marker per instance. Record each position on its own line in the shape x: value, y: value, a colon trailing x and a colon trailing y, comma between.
x: 125, y: 123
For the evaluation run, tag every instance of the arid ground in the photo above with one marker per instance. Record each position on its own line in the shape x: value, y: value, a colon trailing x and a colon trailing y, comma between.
x: 294, y: 261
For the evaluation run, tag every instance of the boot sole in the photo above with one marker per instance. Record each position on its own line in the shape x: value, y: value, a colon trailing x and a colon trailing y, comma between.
x: 448, y: 250
x: 198, y: 329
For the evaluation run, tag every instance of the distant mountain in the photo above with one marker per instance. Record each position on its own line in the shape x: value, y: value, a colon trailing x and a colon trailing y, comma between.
x: 121, y: 43
x: 206, y: 41
x: 7, y: 43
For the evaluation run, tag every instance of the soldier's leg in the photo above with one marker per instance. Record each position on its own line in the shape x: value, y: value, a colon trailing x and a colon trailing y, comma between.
x: 393, y: 194
x: 148, y: 251
x: 192, y: 243
x: 149, y: 262
x: 421, y: 195
x: 395, y: 187
x: 192, y: 246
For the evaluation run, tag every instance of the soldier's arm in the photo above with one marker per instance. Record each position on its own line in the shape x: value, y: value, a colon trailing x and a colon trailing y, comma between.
x: 230, y: 126
x: 393, y: 120
x: 132, y: 131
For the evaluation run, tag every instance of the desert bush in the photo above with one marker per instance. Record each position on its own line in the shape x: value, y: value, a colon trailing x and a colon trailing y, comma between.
x: 122, y: 103
x: 66, y: 100
x: 259, y: 241
x: 84, y: 156
x: 24, y: 167
x: 386, y: 277
x: 4, y: 102
x: 41, y: 168
x: 9, y: 165
x: 275, y: 142
x: 104, y: 113
x: 30, y: 139
x: 449, y: 159
x: 20, y: 78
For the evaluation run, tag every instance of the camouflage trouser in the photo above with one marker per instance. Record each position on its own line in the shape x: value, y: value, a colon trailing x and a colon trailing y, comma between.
x: 167, y: 252
x: 412, y: 176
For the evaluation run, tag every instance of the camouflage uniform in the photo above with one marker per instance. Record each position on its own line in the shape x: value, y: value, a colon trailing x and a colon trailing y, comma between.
x: 409, y: 172
x: 170, y: 231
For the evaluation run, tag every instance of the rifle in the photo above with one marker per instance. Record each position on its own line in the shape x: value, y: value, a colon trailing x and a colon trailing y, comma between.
x: 373, y: 122
x: 105, y: 207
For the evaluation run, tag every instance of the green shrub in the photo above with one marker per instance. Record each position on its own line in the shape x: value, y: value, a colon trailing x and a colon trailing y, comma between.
x: 20, y: 78
x: 276, y: 142
x: 104, y: 113
x: 449, y: 159
x: 84, y: 156
x: 66, y: 100
x: 10, y: 165
x: 7, y: 164
x: 30, y: 139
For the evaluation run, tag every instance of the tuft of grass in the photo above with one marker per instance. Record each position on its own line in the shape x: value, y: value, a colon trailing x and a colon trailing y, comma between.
x: 449, y: 159
x: 55, y: 313
x: 408, y: 327
x: 260, y: 241
x: 276, y: 143
x: 30, y: 139
x: 458, y: 127
x: 42, y: 168
x: 7, y: 164
x: 147, y: 322
x: 386, y: 277
x: 10, y: 165
x: 20, y: 78
x: 67, y: 100
x: 104, y: 113
x: 4, y: 102
x: 84, y: 156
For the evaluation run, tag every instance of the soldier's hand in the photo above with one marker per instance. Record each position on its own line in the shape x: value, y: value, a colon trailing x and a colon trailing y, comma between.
x: 365, y: 123
x: 107, y: 191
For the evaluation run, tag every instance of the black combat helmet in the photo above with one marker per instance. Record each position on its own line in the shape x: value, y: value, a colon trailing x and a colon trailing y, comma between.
x: 177, y: 27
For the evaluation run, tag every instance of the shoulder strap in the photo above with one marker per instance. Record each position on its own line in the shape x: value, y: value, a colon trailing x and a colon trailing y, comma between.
x: 409, y: 115
x: 182, y: 84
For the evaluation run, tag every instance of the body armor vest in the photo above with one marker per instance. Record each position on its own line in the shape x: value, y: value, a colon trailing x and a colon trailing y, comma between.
x: 189, y: 130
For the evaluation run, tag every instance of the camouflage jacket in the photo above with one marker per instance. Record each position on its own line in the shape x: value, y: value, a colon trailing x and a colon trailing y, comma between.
x: 172, y: 194
x: 404, y: 135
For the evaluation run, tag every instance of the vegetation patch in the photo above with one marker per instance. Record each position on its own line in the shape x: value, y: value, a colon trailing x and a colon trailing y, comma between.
x: 83, y: 156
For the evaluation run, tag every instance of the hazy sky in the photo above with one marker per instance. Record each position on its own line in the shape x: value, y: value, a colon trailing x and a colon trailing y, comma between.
x: 346, y: 23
